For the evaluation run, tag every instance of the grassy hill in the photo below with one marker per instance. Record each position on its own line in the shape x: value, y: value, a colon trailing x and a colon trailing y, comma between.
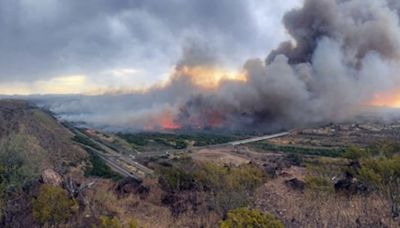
x: 36, y: 137
x: 31, y: 141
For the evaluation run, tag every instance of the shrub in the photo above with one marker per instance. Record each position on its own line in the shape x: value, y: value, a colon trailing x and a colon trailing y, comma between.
x: 243, y: 217
x: 227, y: 187
x: 294, y: 159
x: 230, y: 187
x: 109, y: 222
x: 355, y: 153
x: 176, y: 179
x: 383, y: 175
x: 52, y: 205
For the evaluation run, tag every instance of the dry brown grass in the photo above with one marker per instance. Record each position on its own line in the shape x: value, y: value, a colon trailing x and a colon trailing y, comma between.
x: 321, y: 209
x: 220, y: 156
x: 149, y: 212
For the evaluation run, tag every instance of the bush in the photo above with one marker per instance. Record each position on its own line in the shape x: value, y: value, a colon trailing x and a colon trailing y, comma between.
x: 243, y: 217
x: 227, y: 187
x: 294, y: 159
x: 52, y: 205
x: 176, y: 179
x: 355, y: 153
x: 109, y: 222
x: 383, y: 175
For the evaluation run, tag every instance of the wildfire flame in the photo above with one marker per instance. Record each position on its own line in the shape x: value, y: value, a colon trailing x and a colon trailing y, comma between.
x: 202, y: 77
x: 210, y: 77
x: 168, y: 123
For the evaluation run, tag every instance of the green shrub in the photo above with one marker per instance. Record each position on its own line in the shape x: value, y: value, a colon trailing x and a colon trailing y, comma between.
x: 243, y: 217
x: 19, y: 167
x: 176, y: 179
x: 227, y: 187
x: 109, y: 222
x: 355, y: 153
x: 294, y: 159
x: 383, y: 175
x: 52, y: 205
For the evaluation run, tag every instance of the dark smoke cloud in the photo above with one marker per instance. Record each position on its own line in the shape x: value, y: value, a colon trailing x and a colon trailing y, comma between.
x: 343, y: 52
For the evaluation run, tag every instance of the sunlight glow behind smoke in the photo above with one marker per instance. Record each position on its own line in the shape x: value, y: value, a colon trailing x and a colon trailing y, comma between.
x: 210, y: 77
x: 390, y: 99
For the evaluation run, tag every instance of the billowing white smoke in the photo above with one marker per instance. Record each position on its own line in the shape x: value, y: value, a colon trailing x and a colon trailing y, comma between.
x: 343, y: 53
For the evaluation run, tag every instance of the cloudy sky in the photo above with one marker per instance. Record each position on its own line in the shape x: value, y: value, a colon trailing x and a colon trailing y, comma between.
x: 75, y: 46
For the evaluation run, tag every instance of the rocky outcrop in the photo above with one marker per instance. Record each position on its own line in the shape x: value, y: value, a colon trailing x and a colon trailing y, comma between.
x: 51, y: 177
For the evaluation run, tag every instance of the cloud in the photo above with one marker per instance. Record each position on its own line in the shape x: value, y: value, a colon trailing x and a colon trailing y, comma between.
x: 44, y: 39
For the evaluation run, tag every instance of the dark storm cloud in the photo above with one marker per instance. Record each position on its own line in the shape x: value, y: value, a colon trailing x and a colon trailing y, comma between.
x: 41, y: 39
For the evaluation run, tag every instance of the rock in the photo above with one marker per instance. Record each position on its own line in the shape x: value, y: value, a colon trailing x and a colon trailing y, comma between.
x: 295, y: 184
x: 51, y: 177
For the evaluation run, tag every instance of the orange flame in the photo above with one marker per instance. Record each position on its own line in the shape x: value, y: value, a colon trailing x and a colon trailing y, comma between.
x: 167, y: 122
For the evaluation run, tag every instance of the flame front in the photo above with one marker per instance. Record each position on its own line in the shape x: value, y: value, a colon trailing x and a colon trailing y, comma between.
x: 168, y: 123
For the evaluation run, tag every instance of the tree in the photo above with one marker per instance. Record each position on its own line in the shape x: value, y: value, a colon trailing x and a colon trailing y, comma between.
x: 52, y: 205
x: 243, y: 217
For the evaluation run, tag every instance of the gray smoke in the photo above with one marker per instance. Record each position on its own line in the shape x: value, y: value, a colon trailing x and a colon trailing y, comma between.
x: 343, y: 52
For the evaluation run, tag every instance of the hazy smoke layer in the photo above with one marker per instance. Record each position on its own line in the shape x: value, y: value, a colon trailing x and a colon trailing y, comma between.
x: 343, y: 53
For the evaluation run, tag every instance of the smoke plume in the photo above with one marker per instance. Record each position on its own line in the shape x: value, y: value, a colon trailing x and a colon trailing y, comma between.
x: 342, y: 54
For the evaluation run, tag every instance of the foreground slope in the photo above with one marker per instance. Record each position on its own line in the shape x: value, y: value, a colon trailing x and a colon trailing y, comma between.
x: 36, y: 136
x: 34, y: 148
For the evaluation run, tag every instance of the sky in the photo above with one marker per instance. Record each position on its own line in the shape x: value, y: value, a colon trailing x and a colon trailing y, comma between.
x: 95, y: 46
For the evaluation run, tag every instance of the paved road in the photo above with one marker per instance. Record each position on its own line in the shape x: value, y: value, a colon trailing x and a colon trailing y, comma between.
x: 257, y: 139
x: 126, y: 166
x: 116, y: 161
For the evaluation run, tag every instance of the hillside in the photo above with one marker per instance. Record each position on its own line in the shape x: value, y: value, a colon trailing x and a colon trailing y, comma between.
x: 58, y: 175
x: 32, y: 145
x: 35, y: 135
